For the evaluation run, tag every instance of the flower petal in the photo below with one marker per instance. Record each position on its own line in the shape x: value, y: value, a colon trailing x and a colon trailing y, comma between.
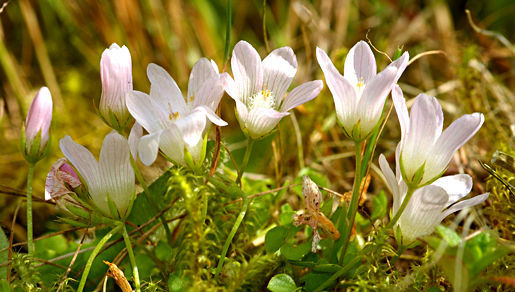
x: 211, y: 92
x: 425, y: 124
x: 391, y: 181
x: 465, y: 203
x: 360, y: 64
x: 457, y: 134
x: 147, y: 112
x: 247, y: 70
x: 423, y: 212
x: 402, y: 110
x: 134, y: 137
x: 164, y: 90
x: 401, y: 63
x: 279, y: 68
x: 456, y: 186
x: 344, y: 94
x: 148, y: 147
x: 172, y: 144
x: 261, y: 121
x: 302, y: 94
x: 116, y: 172
x: 192, y: 127
x: 211, y: 115
x: 372, y: 100
x: 202, y: 71
x: 85, y: 164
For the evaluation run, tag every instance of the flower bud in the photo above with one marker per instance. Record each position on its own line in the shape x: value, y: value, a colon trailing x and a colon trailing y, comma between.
x: 116, y: 75
x: 37, y: 125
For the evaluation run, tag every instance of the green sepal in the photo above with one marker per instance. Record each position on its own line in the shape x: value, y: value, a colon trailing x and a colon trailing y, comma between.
x: 398, y: 53
x: 419, y: 174
x: 74, y: 223
x: 398, y: 234
x: 356, y: 132
x: 112, y: 207
x: 32, y: 153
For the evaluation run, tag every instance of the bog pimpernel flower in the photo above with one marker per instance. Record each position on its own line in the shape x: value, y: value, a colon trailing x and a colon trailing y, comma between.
x: 359, y: 95
x: 424, y: 151
x: 177, y: 124
x: 37, y: 125
x: 112, y: 176
x: 116, y: 76
x: 259, y: 88
x: 430, y: 204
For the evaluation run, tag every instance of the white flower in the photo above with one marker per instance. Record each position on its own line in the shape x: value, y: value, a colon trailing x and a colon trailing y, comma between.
x: 430, y: 204
x: 112, y: 176
x: 424, y: 150
x: 116, y: 76
x: 360, y: 94
x: 176, y: 123
x: 259, y: 88
x: 37, y: 125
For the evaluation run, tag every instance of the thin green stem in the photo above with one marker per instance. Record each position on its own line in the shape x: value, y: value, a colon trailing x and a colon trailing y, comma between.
x: 128, y: 244
x: 30, y: 235
x: 405, y: 202
x: 265, y: 34
x: 353, y: 206
x: 246, y: 157
x: 148, y: 197
x: 235, y: 227
x: 338, y: 274
x: 94, y: 254
x: 228, y: 31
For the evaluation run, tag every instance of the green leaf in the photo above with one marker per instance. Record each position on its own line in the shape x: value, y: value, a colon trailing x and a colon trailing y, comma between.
x: 275, y: 238
x: 286, y: 214
x: 295, y: 252
x: 313, y: 280
x: 281, y: 283
x: 449, y: 235
x: 175, y: 282
x: 163, y: 251
x: 379, y: 204
x: 4, y: 243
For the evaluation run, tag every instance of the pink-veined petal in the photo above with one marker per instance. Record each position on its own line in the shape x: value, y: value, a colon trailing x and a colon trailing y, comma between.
x: 164, y: 90
x: 457, y: 134
x: 372, y: 101
x: 465, y: 203
x: 344, y: 94
x: 39, y: 116
x: 172, y: 144
x: 116, y: 172
x: 279, y: 68
x: 211, y: 115
x: 423, y: 212
x: 302, y: 94
x: 401, y: 63
x: 456, y: 186
x: 85, y: 163
x: 146, y: 112
x: 360, y: 64
x: 134, y: 137
x: 402, y: 110
x: 261, y: 121
x: 391, y: 181
x: 148, y: 147
x: 202, y: 71
x: 247, y: 70
x: 211, y: 92
x: 192, y: 127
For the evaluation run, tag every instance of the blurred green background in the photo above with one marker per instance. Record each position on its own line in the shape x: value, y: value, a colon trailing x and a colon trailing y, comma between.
x: 59, y: 43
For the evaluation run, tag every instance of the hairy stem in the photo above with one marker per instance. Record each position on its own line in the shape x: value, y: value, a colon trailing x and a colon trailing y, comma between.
x: 128, y: 244
x: 246, y: 157
x: 30, y: 235
x: 93, y: 255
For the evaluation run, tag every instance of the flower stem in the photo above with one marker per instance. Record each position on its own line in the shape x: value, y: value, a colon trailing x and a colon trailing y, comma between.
x: 235, y: 227
x: 93, y: 255
x: 246, y: 157
x: 338, y: 274
x: 228, y: 31
x: 148, y: 197
x: 30, y: 235
x: 128, y: 244
x: 353, y: 206
x: 405, y: 202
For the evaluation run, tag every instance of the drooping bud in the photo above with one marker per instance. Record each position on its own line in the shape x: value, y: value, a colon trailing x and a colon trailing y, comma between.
x: 37, y: 126
x: 116, y: 75
x: 61, y: 180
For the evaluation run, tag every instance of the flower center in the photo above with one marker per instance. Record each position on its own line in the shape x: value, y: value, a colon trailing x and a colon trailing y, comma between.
x: 264, y: 99
x: 173, y: 115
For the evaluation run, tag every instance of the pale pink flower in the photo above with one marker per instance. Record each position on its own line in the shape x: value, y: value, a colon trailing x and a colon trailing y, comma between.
x: 359, y: 95
x: 176, y: 124
x: 116, y: 75
x: 424, y: 150
x: 259, y: 88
